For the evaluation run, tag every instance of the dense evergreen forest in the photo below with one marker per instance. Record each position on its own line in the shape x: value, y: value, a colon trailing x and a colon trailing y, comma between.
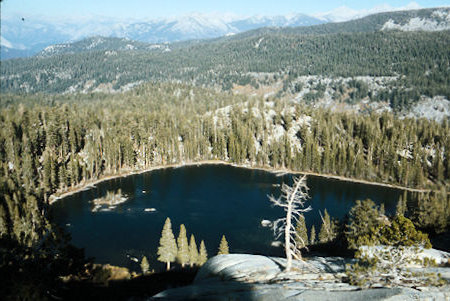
x: 180, y: 103
x: 419, y: 62
x: 53, y: 143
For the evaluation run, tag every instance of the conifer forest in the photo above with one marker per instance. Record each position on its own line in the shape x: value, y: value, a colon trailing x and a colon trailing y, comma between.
x: 258, y: 99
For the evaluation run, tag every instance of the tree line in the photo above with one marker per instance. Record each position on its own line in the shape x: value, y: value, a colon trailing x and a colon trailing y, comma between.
x: 419, y: 61
x: 181, y: 251
x: 51, y: 144
x: 383, y: 245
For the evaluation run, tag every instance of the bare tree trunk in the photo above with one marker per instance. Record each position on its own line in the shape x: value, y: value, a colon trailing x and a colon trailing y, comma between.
x: 292, y: 200
x: 287, y: 237
x: 168, y: 265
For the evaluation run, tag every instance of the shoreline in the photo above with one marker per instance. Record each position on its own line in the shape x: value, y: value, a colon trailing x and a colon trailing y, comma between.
x: 90, y: 184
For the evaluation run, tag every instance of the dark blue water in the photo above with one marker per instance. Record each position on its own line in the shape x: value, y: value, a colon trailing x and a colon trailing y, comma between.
x: 211, y: 200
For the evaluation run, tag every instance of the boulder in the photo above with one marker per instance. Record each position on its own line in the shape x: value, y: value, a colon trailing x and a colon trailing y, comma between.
x: 254, y: 277
x: 433, y: 255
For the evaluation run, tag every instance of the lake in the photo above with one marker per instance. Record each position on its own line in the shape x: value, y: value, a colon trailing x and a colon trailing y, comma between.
x: 211, y: 200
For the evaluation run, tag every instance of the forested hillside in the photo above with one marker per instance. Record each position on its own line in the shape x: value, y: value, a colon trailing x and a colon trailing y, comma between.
x: 106, y: 107
x: 410, y: 56
x: 97, y: 44
x: 53, y: 143
x: 417, y: 61
x: 377, y: 22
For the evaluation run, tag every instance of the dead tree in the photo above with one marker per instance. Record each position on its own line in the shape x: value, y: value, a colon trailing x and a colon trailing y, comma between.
x: 292, y: 199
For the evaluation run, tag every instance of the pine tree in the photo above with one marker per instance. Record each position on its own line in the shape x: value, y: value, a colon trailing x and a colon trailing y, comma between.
x: 312, y: 238
x: 3, y: 222
x: 63, y: 177
x: 145, y: 267
x: 327, y: 231
x: 301, y: 233
x: 193, y: 251
x: 183, y: 247
x: 223, y: 247
x: 203, y: 255
x: 381, y: 210
x: 167, y: 250
x: 46, y: 173
x: 433, y: 211
x: 401, y: 205
x: 363, y: 217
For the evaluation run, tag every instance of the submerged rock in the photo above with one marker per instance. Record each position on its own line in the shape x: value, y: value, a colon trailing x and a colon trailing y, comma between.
x: 276, y: 243
x: 266, y: 223
x: 254, y: 277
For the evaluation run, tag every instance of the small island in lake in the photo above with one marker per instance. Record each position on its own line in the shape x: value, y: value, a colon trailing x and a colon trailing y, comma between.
x: 111, y: 199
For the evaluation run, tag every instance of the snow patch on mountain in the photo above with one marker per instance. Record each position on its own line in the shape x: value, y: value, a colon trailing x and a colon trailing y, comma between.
x: 95, y: 43
x: 344, y: 13
x: 340, y: 14
x: 53, y: 49
x: 440, y: 21
x: 5, y: 43
x: 200, y: 24
x: 37, y: 34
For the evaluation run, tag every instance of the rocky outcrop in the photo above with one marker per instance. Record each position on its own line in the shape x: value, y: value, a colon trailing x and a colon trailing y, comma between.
x: 253, y: 277
x: 117, y: 273
x: 414, y: 257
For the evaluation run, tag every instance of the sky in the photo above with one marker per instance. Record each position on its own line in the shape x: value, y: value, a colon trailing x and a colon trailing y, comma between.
x: 150, y: 9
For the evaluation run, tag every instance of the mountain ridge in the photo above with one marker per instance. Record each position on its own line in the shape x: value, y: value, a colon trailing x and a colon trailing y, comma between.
x: 353, y: 63
x: 414, y: 20
x: 35, y: 37
x: 22, y: 38
x: 99, y: 43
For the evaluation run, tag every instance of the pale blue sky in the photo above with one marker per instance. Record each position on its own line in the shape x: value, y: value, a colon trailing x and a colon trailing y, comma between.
x: 165, y: 8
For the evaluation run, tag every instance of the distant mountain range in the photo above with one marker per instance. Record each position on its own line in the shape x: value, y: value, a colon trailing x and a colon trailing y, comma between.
x: 374, y: 46
x: 23, y: 38
x: 100, y: 43
x: 413, y: 20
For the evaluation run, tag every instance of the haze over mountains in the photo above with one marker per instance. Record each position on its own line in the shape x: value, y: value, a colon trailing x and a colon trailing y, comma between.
x: 414, y: 20
x: 396, y: 58
x: 364, y: 100
x: 22, y: 38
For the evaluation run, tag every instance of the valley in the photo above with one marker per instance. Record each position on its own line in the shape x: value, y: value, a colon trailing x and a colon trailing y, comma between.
x: 105, y: 137
x: 357, y: 65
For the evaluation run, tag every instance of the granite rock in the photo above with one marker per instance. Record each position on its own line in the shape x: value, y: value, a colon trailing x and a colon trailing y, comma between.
x: 254, y: 277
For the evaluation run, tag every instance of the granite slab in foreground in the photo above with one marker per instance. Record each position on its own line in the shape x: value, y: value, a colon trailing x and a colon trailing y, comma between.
x: 254, y: 277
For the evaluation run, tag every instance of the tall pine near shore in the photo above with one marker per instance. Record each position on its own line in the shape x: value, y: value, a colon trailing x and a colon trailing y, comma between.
x: 223, y: 247
x: 183, y: 247
x: 193, y: 251
x: 203, y: 255
x: 301, y: 238
x: 167, y: 250
x: 328, y: 230
x: 145, y: 266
